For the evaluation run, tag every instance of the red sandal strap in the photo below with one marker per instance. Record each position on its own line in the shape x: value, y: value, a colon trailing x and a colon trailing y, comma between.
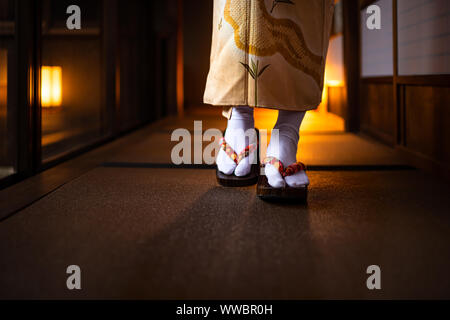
x: 246, y: 152
x: 288, y: 171
x: 233, y: 155
x: 275, y: 162
x: 294, y: 168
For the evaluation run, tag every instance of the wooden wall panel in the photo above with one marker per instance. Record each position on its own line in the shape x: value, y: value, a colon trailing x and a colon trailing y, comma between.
x: 164, y: 57
x: 427, y: 121
x: 337, y: 101
x: 4, y: 154
x: 7, y: 10
x: 147, y: 54
x: 377, y: 111
x: 197, y: 24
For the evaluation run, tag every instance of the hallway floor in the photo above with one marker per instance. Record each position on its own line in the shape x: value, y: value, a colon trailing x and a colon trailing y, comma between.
x: 139, y: 227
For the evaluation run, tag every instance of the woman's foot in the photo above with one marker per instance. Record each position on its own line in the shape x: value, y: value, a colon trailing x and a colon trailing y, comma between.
x: 284, y: 148
x: 241, y: 120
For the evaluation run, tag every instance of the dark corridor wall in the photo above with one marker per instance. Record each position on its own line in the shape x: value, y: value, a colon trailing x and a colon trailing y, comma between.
x: 90, y: 85
x: 197, y: 30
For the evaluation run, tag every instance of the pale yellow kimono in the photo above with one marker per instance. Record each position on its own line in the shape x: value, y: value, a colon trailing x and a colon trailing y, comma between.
x: 268, y: 53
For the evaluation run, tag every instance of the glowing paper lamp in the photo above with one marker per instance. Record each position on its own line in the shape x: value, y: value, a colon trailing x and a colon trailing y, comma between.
x: 51, y: 86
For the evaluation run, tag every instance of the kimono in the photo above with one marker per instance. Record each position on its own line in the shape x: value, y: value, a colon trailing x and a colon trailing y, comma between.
x: 268, y: 53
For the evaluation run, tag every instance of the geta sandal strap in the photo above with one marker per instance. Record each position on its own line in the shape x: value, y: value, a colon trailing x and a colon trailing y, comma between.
x: 288, y: 171
x: 233, y: 155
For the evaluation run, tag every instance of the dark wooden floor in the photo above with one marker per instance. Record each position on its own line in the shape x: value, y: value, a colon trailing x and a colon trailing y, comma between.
x: 148, y: 232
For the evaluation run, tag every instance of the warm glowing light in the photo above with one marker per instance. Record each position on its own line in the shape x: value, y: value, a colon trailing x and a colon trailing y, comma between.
x: 3, y: 82
x: 51, y: 86
x: 180, y: 61
x: 334, y: 83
